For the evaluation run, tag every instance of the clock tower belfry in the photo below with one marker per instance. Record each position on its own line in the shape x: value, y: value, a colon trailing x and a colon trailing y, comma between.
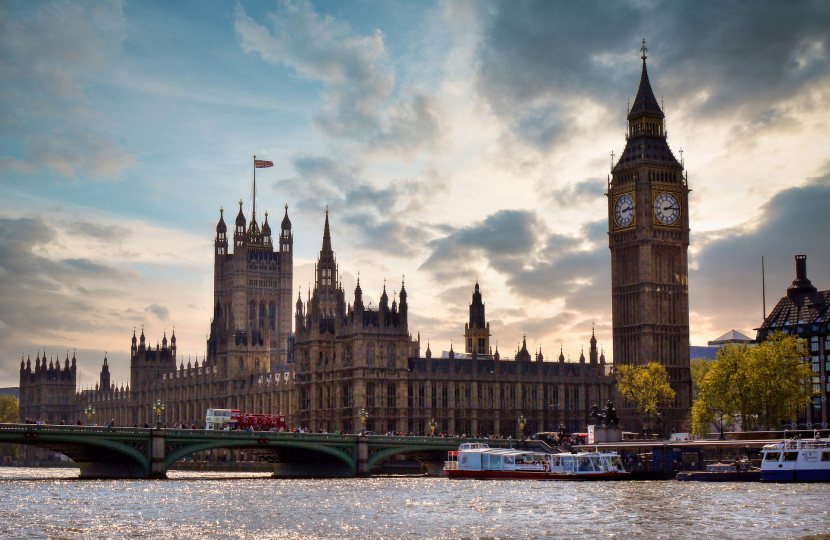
x: 648, y: 234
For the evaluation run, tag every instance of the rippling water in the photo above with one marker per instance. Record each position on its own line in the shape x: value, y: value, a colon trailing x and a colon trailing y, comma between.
x: 52, y: 503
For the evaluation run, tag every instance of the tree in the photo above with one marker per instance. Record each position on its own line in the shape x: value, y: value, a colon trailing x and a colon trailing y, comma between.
x: 646, y: 387
x: 699, y: 368
x: 763, y: 385
x: 8, y: 413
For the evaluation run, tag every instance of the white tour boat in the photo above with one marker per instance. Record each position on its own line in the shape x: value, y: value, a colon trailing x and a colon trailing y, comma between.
x: 477, y: 460
x: 796, y: 460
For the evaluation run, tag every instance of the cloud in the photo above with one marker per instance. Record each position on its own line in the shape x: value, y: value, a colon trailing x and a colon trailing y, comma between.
x: 725, y: 280
x: 357, y: 76
x: 159, y: 311
x: 538, y: 72
x: 376, y: 218
x: 48, y: 55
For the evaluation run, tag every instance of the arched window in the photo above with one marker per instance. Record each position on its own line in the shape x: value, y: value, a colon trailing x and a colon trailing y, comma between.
x: 252, y: 314
x: 370, y: 354
x: 390, y: 356
x: 272, y: 316
x: 262, y: 314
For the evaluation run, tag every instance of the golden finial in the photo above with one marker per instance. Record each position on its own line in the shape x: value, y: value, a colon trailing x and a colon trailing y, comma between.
x: 644, y: 49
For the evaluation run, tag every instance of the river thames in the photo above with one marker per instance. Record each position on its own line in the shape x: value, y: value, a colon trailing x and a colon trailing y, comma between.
x: 54, y: 504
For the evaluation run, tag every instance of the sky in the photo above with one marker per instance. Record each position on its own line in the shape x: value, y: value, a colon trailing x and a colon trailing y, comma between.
x: 452, y: 141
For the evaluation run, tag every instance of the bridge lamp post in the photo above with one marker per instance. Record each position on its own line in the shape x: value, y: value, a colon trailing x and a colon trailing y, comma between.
x: 522, y: 424
x: 158, y: 407
x: 363, y: 415
x: 90, y: 412
x: 432, y: 425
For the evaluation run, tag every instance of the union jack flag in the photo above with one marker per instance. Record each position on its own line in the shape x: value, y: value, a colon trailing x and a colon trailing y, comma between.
x: 262, y: 164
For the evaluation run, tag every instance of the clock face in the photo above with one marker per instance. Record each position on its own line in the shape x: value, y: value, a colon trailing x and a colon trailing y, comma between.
x: 624, y: 210
x: 666, y: 208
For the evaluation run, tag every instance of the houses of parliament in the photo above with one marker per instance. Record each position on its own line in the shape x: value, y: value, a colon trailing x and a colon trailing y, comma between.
x: 345, y: 356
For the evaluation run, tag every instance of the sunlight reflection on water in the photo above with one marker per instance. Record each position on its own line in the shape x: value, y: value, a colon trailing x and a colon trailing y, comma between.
x: 53, y: 503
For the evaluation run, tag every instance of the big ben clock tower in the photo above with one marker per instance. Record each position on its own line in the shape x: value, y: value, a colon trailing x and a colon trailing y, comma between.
x: 648, y: 233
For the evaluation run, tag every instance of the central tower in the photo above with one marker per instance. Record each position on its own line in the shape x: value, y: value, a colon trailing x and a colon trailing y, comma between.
x: 648, y: 233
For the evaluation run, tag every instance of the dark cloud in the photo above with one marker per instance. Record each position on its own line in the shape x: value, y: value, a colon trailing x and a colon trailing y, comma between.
x: 503, y: 238
x: 539, y: 61
x: 376, y: 218
x: 99, y: 232
x: 41, y: 299
x: 725, y: 282
x: 587, y: 191
x: 159, y: 311
x: 537, y: 263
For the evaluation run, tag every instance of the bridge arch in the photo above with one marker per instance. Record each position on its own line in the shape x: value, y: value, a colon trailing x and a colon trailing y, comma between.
x: 272, y: 450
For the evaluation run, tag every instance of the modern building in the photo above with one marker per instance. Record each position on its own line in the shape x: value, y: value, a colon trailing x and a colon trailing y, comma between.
x: 710, y: 352
x: 805, y: 312
x: 648, y: 234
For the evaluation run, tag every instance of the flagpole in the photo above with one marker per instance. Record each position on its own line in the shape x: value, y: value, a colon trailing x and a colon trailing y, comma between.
x: 253, y: 213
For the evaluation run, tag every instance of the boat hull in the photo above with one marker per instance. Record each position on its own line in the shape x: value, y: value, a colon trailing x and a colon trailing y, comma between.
x: 731, y: 476
x: 796, y: 475
x: 533, y: 475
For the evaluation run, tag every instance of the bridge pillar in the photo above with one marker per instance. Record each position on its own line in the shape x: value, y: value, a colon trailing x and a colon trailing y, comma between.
x: 157, y: 455
x: 362, y: 455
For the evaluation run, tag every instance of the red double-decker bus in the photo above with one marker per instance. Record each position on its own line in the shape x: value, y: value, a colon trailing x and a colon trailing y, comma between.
x: 236, y: 419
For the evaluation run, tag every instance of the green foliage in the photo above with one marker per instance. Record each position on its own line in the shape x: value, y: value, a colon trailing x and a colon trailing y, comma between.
x: 764, y: 386
x: 8, y: 414
x: 699, y: 367
x: 646, y: 387
x: 8, y: 409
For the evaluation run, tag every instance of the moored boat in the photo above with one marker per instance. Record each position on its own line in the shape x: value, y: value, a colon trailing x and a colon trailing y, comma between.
x: 476, y: 460
x: 796, y: 460
x: 741, y: 471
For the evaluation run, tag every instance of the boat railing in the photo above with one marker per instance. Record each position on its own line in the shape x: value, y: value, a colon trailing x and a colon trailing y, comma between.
x: 800, y: 444
x: 450, y: 465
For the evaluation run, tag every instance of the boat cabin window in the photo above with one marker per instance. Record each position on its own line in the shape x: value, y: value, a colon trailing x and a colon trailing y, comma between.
x: 583, y: 464
x: 825, y: 456
x: 495, y: 463
x: 485, y: 461
x: 772, y: 456
x: 790, y: 456
x: 554, y: 461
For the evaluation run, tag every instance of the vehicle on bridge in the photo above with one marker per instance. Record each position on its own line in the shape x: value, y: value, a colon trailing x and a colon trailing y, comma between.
x: 478, y: 460
x: 232, y: 419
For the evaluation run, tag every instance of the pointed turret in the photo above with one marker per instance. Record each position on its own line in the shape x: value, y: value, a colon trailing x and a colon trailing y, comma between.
x: 561, y: 354
x: 286, y: 239
x: 326, y: 234
x: 593, y: 353
x: 645, y: 102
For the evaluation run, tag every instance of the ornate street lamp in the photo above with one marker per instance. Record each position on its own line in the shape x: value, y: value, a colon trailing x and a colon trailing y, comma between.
x: 158, y: 408
x: 432, y: 425
x: 522, y: 424
x: 90, y: 412
x: 363, y: 415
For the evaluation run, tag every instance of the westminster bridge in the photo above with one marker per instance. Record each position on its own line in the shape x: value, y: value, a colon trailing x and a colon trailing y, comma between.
x: 103, y: 452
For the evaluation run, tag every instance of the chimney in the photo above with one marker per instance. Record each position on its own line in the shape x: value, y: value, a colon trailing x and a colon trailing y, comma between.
x: 801, y: 285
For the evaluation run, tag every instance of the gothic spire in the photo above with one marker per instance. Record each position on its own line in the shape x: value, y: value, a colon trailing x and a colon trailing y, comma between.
x: 645, y: 102
x: 327, y: 234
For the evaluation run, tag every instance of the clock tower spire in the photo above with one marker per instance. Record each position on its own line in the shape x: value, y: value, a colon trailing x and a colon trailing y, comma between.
x: 648, y: 234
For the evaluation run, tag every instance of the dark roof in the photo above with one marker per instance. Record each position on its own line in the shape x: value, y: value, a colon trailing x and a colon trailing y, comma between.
x: 642, y: 149
x: 645, y: 102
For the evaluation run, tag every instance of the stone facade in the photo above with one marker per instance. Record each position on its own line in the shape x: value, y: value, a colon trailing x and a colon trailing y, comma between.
x: 648, y: 224
x: 349, y: 357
